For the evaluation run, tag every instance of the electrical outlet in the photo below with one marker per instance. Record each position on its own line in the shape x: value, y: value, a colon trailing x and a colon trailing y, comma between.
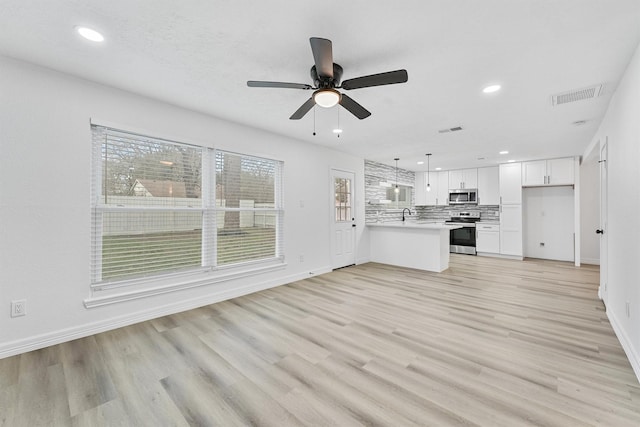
x: 18, y: 308
x: 301, y: 258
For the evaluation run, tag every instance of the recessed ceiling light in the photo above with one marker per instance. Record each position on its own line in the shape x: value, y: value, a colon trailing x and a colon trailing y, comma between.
x: 438, y: 169
x: 504, y: 152
x: 510, y: 161
x: 421, y: 163
x: 90, y: 34
x: 337, y: 131
x: 491, y: 89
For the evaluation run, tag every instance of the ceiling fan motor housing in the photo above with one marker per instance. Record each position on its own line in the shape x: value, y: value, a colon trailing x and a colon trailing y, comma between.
x: 327, y: 82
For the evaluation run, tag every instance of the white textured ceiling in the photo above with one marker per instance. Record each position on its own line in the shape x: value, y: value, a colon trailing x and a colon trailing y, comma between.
x: 199, y: 54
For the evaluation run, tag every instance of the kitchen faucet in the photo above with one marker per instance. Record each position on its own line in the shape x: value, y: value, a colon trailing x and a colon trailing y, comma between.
x: 405, y: 209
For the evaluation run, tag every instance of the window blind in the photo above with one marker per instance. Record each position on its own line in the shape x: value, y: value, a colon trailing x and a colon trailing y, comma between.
x: 249, y: 207
x: 161, y: 207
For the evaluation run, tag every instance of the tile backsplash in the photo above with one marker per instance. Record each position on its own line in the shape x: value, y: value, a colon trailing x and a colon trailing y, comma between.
x: 442, y: 213
x: 375, y: 172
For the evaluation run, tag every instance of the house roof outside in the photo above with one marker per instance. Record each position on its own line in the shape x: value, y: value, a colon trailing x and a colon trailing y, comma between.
x: 156, y: 188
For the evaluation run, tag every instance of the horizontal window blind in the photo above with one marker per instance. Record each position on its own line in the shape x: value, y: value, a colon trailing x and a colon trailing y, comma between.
x: 162, y: 207
x: 249, y: 208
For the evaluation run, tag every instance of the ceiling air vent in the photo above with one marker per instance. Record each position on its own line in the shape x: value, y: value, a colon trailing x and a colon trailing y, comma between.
x: 454, y: 129
x: 577, y: 95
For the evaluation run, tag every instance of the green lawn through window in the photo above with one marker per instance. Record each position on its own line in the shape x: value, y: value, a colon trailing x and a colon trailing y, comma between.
x: 141, y: 254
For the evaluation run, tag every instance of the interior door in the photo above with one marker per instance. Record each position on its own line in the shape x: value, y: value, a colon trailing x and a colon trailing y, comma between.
x: 604, y: 248
x: 343, y: 224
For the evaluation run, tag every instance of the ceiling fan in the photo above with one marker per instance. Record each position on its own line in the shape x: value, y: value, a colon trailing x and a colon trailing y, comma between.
x: 326, y: 77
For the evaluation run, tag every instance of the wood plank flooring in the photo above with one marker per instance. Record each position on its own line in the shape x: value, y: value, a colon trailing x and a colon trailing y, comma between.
x: 489, y: 342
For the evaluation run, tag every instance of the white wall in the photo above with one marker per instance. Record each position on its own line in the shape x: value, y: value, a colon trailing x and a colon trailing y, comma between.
x: 621, y: 126
x: 590, y: 207
x: 44, y: 201
x: 548, y: 218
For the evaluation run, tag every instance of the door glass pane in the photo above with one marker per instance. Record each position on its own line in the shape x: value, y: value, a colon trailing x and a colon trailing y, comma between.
x: 342, y: 199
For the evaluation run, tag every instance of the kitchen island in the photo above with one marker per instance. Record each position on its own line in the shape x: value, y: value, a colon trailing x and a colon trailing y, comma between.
x: 424, y: 246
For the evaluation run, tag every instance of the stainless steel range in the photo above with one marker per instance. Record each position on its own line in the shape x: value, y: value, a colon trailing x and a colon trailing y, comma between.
x: 463, y: 240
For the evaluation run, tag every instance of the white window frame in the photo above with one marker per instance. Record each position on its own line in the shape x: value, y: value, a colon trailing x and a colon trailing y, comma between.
x: 166, y: 281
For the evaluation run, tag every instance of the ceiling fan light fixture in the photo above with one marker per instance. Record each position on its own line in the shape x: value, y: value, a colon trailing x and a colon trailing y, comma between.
x: 326, y: 98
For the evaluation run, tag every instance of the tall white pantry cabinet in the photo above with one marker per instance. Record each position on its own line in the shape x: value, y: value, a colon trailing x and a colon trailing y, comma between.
x: 511, y: 209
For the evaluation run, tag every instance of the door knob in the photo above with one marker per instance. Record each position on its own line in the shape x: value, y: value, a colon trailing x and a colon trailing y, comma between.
x: 599, y: 231
x: 353, y: 225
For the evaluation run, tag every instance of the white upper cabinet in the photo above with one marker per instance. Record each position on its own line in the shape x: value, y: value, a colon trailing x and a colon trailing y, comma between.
x: 463, y: 178
x: 419, y: 187
x: 548, y: 172
x: 432, y: 181
x: 439, y: 183
x: 560, y: 171
x: 510, y: 183
x: 488, y: 186
x: 443, y: 188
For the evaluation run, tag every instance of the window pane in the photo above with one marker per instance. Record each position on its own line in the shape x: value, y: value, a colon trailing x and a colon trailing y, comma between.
x: 240, y: 177
x: 162, y: 173
x: 254, y: 237
x: 139, y: 243
x: 342, y: 199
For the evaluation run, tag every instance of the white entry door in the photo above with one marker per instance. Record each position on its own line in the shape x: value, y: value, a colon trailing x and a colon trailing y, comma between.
x: 604, y: 246
x: 343, y: 221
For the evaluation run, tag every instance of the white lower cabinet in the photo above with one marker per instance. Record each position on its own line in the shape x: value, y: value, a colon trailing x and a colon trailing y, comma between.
x: 488, y: 238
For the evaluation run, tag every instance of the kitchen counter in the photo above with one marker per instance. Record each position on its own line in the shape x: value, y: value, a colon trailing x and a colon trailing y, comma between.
x: 412, y: 224
x: 424, y: 246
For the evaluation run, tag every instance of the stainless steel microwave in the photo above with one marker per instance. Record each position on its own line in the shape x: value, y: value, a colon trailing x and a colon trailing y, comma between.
x: 463, y: 197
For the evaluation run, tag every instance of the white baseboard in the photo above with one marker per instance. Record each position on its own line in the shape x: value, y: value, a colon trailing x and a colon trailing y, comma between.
x: 494, y: 255
x: 627, y: 344
x: 56, y: 337
x: 593, y: 261
x: 362, y: 260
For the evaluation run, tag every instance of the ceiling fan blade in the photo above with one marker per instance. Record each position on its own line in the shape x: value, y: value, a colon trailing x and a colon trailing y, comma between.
x: 322, y: 56
x: 304, y: 109
x: 388, y: 78
x: 254, y: 83
x: 353, y: 107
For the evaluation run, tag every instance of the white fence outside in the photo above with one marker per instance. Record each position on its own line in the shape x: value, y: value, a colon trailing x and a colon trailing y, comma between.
x: 118, y: 223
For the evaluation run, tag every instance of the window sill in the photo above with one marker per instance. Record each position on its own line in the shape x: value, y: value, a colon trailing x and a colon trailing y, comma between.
x: 177, y: 283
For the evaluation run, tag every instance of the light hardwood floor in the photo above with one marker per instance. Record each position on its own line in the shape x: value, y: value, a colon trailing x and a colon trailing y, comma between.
x: 489, y: 342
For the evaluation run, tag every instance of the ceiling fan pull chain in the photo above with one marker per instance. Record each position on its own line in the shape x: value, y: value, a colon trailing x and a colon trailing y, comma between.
x: 314, y: 120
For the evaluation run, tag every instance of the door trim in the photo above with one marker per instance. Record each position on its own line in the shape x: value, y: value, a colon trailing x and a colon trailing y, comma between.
x: 354, y: 198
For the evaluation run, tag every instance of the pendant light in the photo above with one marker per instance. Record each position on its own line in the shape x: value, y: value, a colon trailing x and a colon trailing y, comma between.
x: 428, y: 183
x: 397, y: 189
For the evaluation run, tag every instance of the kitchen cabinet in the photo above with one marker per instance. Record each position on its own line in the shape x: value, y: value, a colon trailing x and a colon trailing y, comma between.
x: 511, y: 230
x: 419, y: 187
x: 432, y: 196
x: 488, y: 186
x: 463, y: 178
x: 548, y: 172
x: 439, y: 194
x: 510, y: 183
x: 511, y: 209
x: 488, y: 238
x: 442, y: 198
